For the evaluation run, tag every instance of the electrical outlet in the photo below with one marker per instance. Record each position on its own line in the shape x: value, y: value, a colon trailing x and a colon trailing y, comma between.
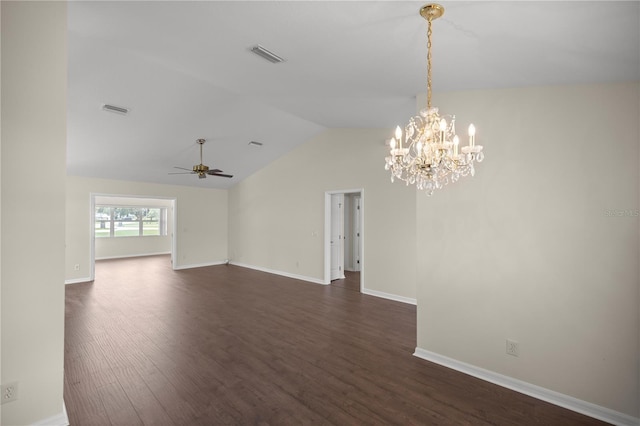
x: 9, y: 392
x: 513, y: 348
x: 76, y: 267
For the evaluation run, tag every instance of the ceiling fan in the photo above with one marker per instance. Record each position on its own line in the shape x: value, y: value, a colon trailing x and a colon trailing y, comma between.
x: 200, y: 169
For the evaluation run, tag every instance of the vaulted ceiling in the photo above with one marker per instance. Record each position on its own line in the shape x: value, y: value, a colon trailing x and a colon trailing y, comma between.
x: 185, y: 71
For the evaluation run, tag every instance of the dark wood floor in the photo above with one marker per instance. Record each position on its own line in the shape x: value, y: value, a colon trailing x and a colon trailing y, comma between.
x: 225, y: 345
x: 351, y: 281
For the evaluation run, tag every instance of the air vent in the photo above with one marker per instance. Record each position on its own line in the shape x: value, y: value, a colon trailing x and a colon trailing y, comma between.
x: 255, y: 144
x: 266, y: 54
x: 116, y: 109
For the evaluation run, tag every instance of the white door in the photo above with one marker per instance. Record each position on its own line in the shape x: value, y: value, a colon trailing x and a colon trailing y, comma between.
x: 356, y: 233
x: 337, y: 236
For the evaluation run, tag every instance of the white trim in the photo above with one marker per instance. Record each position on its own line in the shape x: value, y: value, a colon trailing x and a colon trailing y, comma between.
x: 327, y: 238
x: 355, y: 248
x: 337, y: 209
x: 390, y: 296
x: 92, y: 236
x: 199, y: 265
x: 133, y: 255
x: 60, y: 419
x: 553, y: 397
x: 174, y: 232
x: 362, y: 236
x: 281, y: 273
x: 78, y: 281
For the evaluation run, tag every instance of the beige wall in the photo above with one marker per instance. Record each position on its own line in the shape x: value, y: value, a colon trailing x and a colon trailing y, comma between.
x: 201, y: 234
x: 111, y: 248
x: 276, y: 216
x: 34, y: 75
x: 528, y: 249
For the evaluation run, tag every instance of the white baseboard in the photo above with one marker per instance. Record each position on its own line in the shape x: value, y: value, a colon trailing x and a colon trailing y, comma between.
x: 556, y: 398
x: 199, y: 265
x: 60, y: 419
x: 281, y: 273
x: 77, y: 281
x: 320, y: 281
x: 133, y: 255
x: 390, y: 296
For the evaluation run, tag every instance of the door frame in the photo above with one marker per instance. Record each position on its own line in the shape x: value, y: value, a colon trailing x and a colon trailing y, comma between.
x: 92, y: 233
x: 337, y: 247
x: 327, y: 233
x: 355, y: 249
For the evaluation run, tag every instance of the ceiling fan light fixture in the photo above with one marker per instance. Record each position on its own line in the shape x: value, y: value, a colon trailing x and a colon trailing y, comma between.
x: 116, y: 109
x: 201, y: 169
x: 267, y: 54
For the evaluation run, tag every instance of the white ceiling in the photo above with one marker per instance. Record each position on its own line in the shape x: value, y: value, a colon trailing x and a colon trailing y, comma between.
x: 186, y: 72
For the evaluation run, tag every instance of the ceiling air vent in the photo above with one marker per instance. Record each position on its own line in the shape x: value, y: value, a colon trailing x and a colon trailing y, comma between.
x: 266, y: 54
x: 116, y: 109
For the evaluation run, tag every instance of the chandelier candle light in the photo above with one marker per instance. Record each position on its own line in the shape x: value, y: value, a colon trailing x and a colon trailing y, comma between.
x: 431, y: 156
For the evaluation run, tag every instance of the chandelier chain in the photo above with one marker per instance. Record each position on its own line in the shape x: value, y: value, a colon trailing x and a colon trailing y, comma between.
x: 429, y: 64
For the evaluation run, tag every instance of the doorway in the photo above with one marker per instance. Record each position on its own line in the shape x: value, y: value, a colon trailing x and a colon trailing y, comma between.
x: 344, y: 236
x: 132, y: 247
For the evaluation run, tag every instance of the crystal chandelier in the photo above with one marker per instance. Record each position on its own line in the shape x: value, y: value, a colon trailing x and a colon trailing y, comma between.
x: 431, y: 157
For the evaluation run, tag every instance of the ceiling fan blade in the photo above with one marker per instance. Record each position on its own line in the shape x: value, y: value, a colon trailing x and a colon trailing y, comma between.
x: 214, y: 171
x: 182, y: 168
x: 221, y: 175
x: 181, y: 173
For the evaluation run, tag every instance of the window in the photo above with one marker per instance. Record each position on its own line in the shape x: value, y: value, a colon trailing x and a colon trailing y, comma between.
x: 122, y: 221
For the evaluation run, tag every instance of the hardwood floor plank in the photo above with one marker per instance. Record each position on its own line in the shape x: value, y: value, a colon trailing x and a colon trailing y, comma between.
x: 225, y: 345
x: 142, y: 399
x: 117, y: 405
x: 181, y: 411
x: 87, y: 405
